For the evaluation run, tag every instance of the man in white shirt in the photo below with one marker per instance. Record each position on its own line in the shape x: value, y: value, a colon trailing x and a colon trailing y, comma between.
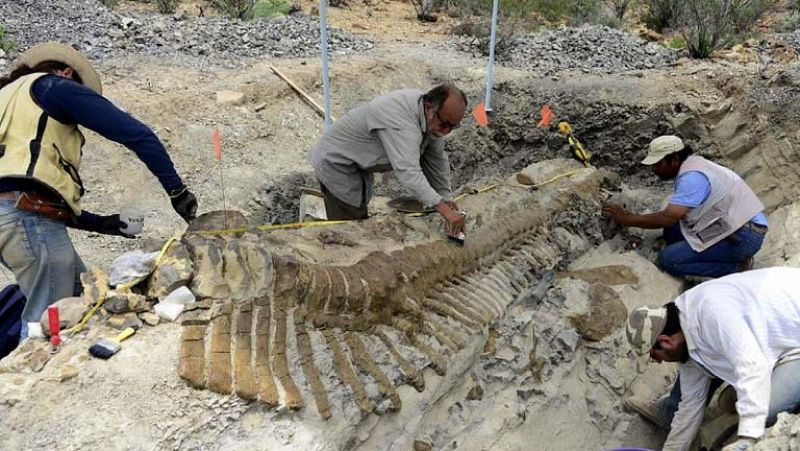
x: 743, y: 329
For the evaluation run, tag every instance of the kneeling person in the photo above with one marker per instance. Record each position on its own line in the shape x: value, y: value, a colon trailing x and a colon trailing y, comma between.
x: 399, y: 131
x: 743, y: 329
x: 714, y: 222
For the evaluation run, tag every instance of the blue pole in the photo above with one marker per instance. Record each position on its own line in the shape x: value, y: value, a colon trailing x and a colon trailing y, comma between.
x: 323, y: 47
x: 490, y: 67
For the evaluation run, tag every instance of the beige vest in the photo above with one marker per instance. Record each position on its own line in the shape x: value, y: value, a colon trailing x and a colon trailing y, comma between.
x: 35, y: 146
x: 730, y: 205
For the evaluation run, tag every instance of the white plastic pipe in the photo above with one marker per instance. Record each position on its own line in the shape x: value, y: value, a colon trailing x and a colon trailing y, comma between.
x: 323, y: 48
x: 490, y: 67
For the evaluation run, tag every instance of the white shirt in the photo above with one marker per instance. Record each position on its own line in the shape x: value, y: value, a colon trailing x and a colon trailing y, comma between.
x: 736, y: 327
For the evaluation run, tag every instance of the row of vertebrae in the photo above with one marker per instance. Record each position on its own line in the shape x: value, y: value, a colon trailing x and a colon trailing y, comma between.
x: 278, y: 328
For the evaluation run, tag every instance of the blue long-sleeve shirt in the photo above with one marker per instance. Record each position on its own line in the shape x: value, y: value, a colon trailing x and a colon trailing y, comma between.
x: 70, y: 102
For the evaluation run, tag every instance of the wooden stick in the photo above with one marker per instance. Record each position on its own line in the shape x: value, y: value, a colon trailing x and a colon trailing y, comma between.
x: 297, y: 89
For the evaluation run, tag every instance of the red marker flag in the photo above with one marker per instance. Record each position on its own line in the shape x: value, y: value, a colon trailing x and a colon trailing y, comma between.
x: 216, y: 139
x: 479, y: 113
x: 547, y: 116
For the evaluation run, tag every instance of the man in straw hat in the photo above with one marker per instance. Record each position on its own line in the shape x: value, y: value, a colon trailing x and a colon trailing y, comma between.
x: 713, y: 224
x: 743, y: 329
x: 52, y: 90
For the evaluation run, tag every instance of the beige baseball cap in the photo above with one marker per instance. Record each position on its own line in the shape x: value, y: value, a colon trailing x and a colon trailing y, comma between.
x: 661, y: 147
x: 63, y: 53
x: 644, y: 326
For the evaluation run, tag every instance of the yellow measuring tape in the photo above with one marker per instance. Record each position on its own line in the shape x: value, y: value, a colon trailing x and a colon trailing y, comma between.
x: 268, y: 227
x: 103, y: 291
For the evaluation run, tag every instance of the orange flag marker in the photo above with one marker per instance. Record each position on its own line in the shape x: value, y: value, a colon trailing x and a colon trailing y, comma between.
x: 217, y: 140
x: 479, y: 113
x: 547, y: 116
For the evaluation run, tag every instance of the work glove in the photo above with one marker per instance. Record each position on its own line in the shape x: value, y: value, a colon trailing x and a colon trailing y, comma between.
x: 741, y: 444
x: 107, y: 225
x: 184, y: 203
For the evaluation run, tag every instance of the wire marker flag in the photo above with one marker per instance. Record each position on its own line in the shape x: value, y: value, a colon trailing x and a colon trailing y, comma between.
x: 479, y: 113
x: 547, y: 116
x: 216, y: 139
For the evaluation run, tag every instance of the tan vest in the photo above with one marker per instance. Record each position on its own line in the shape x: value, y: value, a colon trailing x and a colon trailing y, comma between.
x: 730, y: 205
x: 35, y: 146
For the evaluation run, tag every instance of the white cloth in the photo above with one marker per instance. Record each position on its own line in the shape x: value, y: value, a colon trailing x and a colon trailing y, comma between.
x: 736, y: 327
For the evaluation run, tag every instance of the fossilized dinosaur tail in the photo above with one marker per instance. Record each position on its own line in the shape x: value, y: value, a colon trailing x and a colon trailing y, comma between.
x: 288, y: 333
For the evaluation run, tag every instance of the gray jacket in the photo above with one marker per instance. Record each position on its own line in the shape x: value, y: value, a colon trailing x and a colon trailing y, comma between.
x: 730, y: 205
x: 387, y: 133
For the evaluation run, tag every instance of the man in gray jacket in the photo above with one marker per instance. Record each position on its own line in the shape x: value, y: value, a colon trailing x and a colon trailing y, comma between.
x: 399, y: 131
x: 714, y: 222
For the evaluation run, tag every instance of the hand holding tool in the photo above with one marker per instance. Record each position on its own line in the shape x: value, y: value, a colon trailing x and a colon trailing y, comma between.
x: 105, y: 224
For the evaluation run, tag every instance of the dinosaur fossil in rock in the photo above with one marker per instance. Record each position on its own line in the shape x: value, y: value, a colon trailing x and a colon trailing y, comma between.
x: 282, y: 331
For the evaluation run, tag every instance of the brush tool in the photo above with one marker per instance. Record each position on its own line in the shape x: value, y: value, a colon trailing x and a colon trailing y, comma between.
x: 105, y: 348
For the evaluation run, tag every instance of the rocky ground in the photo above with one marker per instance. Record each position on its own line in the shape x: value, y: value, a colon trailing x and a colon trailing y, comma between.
x: 104, y: 33
x: 588, y: 49
x: 168, y: 71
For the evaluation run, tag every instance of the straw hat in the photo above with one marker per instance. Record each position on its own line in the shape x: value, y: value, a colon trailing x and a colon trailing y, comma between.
x: 55, y: 51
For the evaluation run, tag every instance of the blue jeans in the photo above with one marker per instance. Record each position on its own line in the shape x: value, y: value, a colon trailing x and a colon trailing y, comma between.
x: 784, y: 395
x: 721, y: 259
x: 39, y: 252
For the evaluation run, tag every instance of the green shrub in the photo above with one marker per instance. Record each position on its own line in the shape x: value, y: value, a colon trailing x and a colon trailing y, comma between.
x: 270, y: 8
x: 235, y: 9
x: 620, y: 7
x: 109, y: 3
x: 677, y: 43
x: 661, y: 14
x: 711, y: 24
x: 5, y: 43
x: 789, y: 22
x: 166, y: 6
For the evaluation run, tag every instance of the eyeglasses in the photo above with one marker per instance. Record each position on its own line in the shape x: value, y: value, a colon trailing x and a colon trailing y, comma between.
x: 446, y: 124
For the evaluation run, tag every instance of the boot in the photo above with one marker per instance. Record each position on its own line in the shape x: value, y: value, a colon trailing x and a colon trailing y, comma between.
x: 649, y: 410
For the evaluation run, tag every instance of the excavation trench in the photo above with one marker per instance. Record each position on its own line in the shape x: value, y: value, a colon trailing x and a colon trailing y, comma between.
x: 382, y: 334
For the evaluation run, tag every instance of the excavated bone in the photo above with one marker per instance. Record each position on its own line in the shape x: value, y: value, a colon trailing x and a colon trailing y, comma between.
x: 417, y: 306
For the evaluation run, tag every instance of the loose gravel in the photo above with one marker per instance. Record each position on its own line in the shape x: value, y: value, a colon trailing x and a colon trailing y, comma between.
x: 589, y: 49
x: 102, y: 33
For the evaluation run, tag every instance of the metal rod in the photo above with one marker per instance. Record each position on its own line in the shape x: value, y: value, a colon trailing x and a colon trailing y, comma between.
x: 490, y: 67
x: 323, y: 48
x: 224, y: 201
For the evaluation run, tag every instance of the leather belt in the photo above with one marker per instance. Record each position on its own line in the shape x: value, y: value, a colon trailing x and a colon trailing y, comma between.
x: 758, y: 228
x: 37, y: 203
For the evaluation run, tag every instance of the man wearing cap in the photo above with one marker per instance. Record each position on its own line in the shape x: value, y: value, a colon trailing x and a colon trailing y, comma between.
x: 743, y: 329
x: 52, y: 90
x: 400, y: 131
x: 714, y: 223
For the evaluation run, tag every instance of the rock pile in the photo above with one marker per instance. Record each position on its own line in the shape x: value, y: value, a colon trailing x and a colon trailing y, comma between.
x: 589, y: 49
x: 103, y: 33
